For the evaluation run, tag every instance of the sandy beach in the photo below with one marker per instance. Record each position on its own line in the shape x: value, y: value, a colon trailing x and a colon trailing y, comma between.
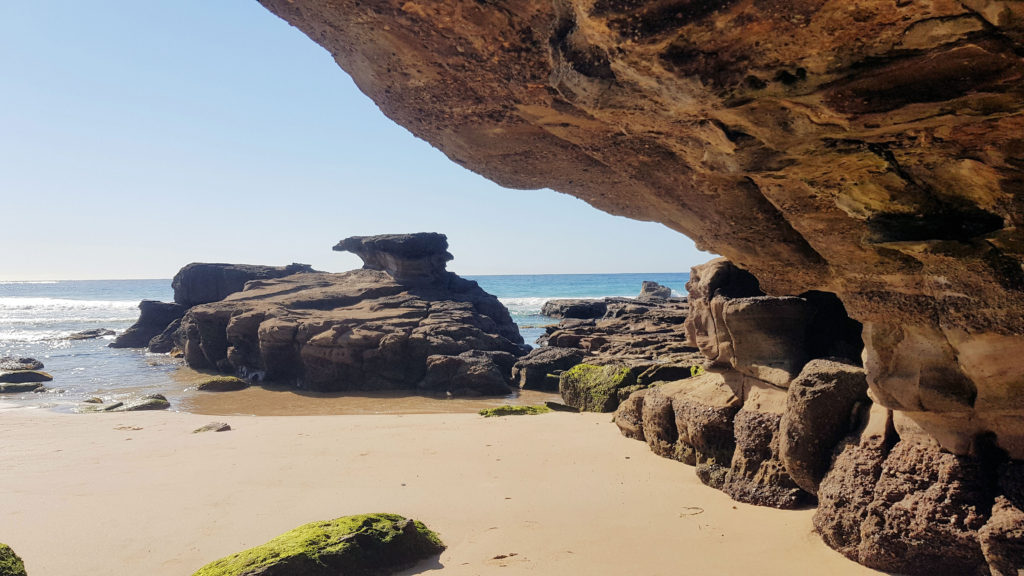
x: 138, y: 493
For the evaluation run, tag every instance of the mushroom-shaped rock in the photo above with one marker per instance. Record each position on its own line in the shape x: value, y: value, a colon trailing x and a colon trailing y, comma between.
x: 419, y: 258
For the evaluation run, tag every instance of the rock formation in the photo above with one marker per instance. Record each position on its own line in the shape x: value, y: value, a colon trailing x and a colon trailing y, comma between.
x: 870, y: 150
x: 202, y: 282
x: 368, y: 544
x: 154, y: 318
x: 783, y: 416
x: 363, y: 329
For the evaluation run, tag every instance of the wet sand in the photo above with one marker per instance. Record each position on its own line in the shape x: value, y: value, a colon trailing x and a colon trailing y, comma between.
x: 560, y: 494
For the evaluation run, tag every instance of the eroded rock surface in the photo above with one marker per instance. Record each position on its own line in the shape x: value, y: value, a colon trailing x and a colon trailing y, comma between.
x: 869, y: 150
x: 154, y: 318
x: 360, y: 330
x: 202, y: 282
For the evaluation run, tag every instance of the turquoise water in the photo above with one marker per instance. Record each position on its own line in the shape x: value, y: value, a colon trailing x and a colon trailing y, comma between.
x: 37, y: 317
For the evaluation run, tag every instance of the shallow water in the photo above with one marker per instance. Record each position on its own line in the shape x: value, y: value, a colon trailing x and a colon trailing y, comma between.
x: 37, y: 317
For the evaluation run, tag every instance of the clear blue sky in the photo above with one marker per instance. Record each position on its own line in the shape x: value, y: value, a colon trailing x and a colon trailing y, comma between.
x: 138, y: 136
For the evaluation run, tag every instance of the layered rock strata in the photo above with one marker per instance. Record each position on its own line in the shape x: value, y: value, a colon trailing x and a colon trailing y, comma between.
x: 889, y: 496
x: 870, y: 150
x: 363, y: 329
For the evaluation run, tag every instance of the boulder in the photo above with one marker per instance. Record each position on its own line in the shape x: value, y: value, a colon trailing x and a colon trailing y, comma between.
x: 539, y: 369
x: 927, y: 509
x: 848, y: 488
x: 757, y: 474
x: 150, y: 402
x: 629, y: 416
x: 574, y: 308
x: 370, y: 544
x: 11, y: 364
x: 591, y: 388
x: 154, y: 318
x: 24, y: 376
x: 653, y: 291
x: 201, y: 283
x: 10, y: 563
x: 222, y: 384
x: 822, y: 407
x: 91, y: 334
x: 360, y: 330
x: 1002, y: 537
x: 412, y: 259
x: 471, y: 373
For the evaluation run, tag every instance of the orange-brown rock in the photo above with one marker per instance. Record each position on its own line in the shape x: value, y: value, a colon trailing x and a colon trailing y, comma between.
x: 870, y: 149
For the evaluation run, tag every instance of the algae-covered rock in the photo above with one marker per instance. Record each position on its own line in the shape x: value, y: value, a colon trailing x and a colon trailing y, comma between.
x: 364, y: 545
x: 151, y: 402
x: 592, y: 388
x: 10, y: 564
x: 513, y: 411
x: 222, y: 384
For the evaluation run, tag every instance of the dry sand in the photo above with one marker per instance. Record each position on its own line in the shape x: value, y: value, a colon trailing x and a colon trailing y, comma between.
x: 562, y: 494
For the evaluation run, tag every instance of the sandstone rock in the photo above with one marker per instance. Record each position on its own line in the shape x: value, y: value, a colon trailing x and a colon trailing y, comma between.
x: 1002, y: 537
x: 538, y: 370
x: 693, y: 421
x: 371, y: 544
x: 222, y: 384
x: 166, y: 341
x: 17, y: 387
x: 653, y: 291
x: 574, y: 308
x: 927, y: 508
x: 11, y: 364
x: 10, y: 563
x: 408, y: 258
x: 202, y: 283
x: 590, y: 388
x: 150, y: 402
x: 24, y: 376
x: 757, y: 474
x: 154, y: 318
x: 629, y: 415
x: 212, y: 427
x: 848, y: 488
x: 873, y: 153
x: 91, y: 334
x: 471, y: 373
x: 629, y: 332
x: 821, y: 409
x: 361, y: 330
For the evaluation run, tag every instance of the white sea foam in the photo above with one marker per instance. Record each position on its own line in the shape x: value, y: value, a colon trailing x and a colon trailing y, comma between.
x: 64, y: 304
x: 529, y: 306
x: 14, y: 282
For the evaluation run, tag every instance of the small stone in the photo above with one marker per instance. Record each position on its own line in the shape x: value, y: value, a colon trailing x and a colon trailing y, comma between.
x: 93, y: 400
x: 213, y: 427
x: 151, y: 402
x: 11, y: 363
x: 20, y: 387
x: 90, y: 334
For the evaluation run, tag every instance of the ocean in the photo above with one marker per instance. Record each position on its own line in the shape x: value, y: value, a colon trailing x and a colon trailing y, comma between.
x: 37, y: 317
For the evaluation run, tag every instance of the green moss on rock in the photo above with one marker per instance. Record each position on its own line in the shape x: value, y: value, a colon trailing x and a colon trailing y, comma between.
x: 513, y: 411
x: 364, y: 545
x: 590, y: 388
x: 222, y: 384
x: 10, y: 564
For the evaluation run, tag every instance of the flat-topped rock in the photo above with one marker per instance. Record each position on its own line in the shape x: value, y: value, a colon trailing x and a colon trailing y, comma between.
x: 418, y: 258
x: 201, y: 282
x: 359, y: 330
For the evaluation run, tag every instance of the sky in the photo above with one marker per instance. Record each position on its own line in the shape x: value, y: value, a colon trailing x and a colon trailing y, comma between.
x: 138, y: 136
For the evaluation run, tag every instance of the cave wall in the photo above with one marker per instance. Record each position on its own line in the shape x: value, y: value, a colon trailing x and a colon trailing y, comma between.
x: 873, y: 149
